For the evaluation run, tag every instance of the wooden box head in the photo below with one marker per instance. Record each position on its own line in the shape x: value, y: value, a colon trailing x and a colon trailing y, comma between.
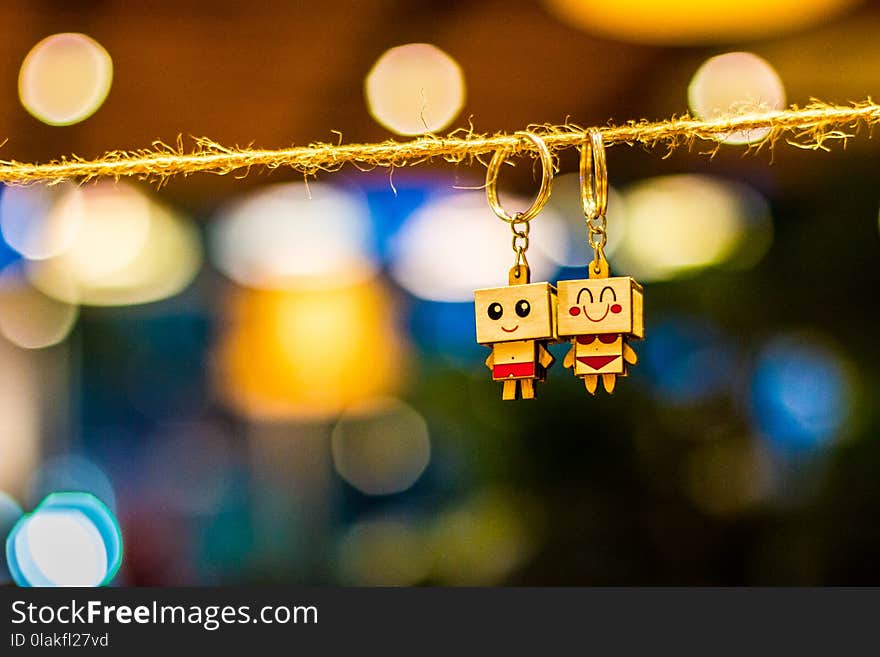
x: 601, y: 305
x: 516, y: 312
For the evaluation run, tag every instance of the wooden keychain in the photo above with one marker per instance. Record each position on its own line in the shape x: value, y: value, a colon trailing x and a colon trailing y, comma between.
x: 600, y: 314
x: 518, y: 321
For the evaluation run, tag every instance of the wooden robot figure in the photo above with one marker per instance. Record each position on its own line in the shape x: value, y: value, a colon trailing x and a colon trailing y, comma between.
x: 517, y: 322
x: 598, y: 316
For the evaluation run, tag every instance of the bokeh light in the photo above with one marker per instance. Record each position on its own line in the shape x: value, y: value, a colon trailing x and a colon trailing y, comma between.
x: 680, y: 22
x: 109, y: 222
x: 391, y: 205
x: 453, y: 245
x: 29, y: 318
x: 7, y: 254
x: 308, y: 353
x: 415, y: 88
x: 381, y: 446
x: 383, y: 552
x: 482, y: 541
x: 23, y: 417
x: 74, y: 473
x: 70, y: 539
x: 65, y: 78
x: 445, y: 328
x: 687, y: 360
x: 736, y: 83
x: 82, y: 562
x: 126, y: 249
x: 678, y: 225
x: 801, y: 394
x: 28, y: 224
x: 10, y: 512
x: 294, y: 235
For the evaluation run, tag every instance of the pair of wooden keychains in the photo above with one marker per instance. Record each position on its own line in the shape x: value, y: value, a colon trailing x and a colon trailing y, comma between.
x: 598, y: 315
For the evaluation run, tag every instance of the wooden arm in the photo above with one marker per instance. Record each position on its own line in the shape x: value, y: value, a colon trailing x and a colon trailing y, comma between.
x: 544, y: 356
x: 629, y: 355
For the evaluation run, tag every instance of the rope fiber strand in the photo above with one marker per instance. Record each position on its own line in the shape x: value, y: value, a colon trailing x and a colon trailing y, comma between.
x: 810, y: 127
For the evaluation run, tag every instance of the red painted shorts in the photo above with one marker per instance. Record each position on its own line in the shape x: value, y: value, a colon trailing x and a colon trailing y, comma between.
x: 513, y: 371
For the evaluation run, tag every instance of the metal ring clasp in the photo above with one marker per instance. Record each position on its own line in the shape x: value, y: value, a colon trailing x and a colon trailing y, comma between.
x: 594, y: 198
x: 498, y: 158
x: 594, y: 176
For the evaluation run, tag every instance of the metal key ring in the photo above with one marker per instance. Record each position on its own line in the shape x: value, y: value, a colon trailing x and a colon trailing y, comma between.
x: 543, y: 196
x: 594, y: 176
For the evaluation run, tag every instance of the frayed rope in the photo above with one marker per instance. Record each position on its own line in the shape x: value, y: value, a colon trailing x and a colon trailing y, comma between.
x: 814, y: 126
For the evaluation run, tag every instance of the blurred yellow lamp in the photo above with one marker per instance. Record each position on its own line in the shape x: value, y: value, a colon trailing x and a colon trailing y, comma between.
x: 677, y: 22
x: 307, y: 353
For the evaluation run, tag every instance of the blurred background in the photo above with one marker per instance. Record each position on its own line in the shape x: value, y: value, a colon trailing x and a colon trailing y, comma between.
x: 271, y: 381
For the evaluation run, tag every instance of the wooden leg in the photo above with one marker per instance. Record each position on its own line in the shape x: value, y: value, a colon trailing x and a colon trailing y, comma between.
x: 591, y: 381
x: 609, y: 380
x: 509, y: 391
x: 527, y: 388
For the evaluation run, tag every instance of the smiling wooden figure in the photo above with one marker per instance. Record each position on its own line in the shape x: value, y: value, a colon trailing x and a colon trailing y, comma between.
x: 598, y: 315
x: 517, y: 321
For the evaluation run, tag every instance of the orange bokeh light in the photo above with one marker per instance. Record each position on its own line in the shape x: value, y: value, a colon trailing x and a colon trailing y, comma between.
x: 307, y: 353
x: 694, y: 21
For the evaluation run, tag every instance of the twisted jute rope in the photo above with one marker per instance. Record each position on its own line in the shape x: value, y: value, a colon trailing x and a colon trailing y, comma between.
x: 815, y: 126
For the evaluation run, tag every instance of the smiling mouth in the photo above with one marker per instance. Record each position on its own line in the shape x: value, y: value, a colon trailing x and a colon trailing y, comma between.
x: 587, y: 315
x: 507, y: 330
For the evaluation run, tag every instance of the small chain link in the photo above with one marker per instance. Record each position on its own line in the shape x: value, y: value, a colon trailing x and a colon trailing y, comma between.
x: 598, y: 236
x: 520, y: 241
x: 519, y: 221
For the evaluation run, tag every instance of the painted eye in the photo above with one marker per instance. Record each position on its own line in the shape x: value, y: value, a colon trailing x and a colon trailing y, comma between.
x: 608, y: 338
x: 615, y: 308
x: 574, y: 311
x: 523, y: 308
x: 495, y: 311
x: 585, y: 339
